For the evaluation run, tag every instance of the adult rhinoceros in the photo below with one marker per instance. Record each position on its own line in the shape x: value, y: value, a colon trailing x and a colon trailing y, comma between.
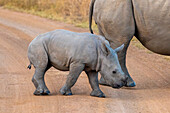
x: 120, y: 20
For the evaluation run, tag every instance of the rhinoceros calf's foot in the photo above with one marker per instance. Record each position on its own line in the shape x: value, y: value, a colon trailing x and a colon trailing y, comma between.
x: 97, y: 93
x: 41, y: 92
x: 63, y: 91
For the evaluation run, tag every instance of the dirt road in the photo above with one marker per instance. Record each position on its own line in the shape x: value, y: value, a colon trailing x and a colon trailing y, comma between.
x: 150, y: 71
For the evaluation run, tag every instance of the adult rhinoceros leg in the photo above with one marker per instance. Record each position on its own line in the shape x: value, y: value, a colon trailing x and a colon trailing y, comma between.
x: 75, y: 71
x: 116, y: 20
x: 122, y: 60
x: 93, y: 80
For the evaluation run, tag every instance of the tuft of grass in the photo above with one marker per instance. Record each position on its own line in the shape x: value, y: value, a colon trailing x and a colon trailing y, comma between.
x: 166, y: 58
x: 136, y: 43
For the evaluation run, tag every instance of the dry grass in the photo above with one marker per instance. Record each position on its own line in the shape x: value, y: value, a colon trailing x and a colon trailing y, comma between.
x: 136, y: 43
x: 70, y: 11
x: 167, y: 58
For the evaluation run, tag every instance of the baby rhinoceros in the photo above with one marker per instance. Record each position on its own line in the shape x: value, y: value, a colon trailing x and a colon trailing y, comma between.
x: 75, y: 52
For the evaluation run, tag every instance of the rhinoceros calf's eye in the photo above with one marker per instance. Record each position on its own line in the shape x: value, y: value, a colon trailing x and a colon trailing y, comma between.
x: 114, y: 72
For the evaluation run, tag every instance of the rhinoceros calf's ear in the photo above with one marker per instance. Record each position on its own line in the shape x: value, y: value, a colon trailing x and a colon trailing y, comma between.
x: 108, y: 51
x: 119, y: 49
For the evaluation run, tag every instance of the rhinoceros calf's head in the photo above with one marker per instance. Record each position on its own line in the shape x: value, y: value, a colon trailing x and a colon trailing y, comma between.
x: 111, y: 69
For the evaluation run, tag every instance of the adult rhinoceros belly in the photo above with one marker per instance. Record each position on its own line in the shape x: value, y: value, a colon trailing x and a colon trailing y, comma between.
x: 153, y: 24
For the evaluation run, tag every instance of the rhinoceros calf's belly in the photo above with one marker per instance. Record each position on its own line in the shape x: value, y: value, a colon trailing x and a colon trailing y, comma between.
x: 59, y: 62
x: 60, y: 67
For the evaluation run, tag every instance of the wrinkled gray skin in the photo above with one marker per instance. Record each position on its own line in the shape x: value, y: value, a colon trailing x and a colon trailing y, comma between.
x: 119, y: 20
x: 75, y: 52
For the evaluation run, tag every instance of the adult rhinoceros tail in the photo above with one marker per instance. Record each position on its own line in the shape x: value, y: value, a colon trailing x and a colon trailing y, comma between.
x: 90, y: 15
x: 91, y: 31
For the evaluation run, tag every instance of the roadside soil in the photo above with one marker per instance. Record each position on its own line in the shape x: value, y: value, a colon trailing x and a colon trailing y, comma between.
x: 150, y: 71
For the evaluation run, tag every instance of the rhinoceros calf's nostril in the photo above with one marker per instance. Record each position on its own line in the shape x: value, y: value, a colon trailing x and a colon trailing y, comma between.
x: 114, y: 72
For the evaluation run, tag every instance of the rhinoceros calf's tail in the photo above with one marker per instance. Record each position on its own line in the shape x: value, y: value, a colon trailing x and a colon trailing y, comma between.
x: 29, y: 66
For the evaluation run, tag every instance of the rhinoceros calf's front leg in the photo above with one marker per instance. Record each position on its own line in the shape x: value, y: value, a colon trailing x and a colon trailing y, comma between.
x: 75, y: 71
x: 93, y: 80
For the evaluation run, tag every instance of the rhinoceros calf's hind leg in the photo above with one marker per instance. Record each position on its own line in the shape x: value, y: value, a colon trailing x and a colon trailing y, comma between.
x: 75, y: 71
x: 39, y: 58
x: 38, y: 80
x: 93, y: 80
